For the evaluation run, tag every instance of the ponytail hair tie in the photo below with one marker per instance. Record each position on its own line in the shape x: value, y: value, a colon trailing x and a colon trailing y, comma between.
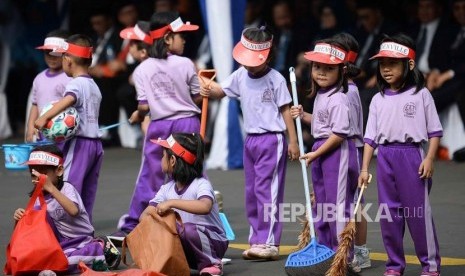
x: 262, y: 28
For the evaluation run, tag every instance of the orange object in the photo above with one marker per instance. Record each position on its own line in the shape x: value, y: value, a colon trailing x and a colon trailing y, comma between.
x: 86, y: 271
x: 209, y: 74
x: 33, y: 246
x: 443, y: 153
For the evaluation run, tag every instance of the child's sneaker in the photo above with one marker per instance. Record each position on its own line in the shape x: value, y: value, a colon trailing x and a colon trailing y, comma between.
x: 111, y: 253
x: 264, y: 252
x: 361, y: 259
x: 245, y: 253
x: 214, y: 270
x: 391, y: 272
x: 426, y: 273
x: 47, y: 273
x: 118, y: 237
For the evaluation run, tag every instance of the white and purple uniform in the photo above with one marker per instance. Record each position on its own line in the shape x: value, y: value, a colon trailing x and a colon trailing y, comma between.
x: 203, y: 238
x: 167, y: 86
x: 83, y: 154
x: 335, y: 173
x: 48, y: 87
x: 399, y: 123
x: 356, y: 123
x: 265, y: 149
x: 75, y: 234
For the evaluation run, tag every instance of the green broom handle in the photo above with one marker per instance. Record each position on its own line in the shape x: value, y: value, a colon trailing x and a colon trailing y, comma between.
x: 301, y: 149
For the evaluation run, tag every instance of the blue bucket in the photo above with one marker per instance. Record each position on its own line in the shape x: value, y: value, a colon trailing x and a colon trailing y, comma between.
x: 17, y: 155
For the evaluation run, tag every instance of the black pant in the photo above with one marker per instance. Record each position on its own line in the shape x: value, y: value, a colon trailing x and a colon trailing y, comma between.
x: 452, y: 91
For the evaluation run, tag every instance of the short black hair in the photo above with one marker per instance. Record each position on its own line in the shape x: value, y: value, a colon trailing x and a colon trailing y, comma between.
x: 59, y: 33
x: 81, y: 40
x: 351, y: 44
x: 183, y: 172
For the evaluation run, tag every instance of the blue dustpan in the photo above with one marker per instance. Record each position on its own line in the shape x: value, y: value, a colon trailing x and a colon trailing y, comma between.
x: 227, y: 227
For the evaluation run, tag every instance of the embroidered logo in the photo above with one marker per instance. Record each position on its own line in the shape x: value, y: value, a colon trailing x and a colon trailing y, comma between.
x: 267, y: 96
x: 322, y: 116
x: 410, y: 109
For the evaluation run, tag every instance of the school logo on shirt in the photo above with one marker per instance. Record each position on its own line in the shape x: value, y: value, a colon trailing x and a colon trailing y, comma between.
x: 162, y: 85
x: 410, y: 109
x: 267, y: 96
x: 322, y: 116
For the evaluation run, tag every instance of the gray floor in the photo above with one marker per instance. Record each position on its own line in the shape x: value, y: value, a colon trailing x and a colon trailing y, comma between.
x: 121, y: 167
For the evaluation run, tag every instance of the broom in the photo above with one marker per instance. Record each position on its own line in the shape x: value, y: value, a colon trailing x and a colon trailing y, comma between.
x: 210, y: 74
x: 315, y: 259
x: 339, y: 265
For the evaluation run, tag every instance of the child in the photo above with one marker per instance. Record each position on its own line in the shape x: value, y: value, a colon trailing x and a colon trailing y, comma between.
x: 139, y: 47
x: 49, y: 85
x: 333, y: 155
x: 265, y: 105
x: 401, y: 120
x: 83, y: 153
x: 361, y: 252
x: 167, y: 85
x: 192, y: 196
x: 66, y: 213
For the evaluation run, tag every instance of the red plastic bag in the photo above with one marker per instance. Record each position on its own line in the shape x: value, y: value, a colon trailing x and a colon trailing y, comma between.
x: 86, y: 271
x: 33, y: 246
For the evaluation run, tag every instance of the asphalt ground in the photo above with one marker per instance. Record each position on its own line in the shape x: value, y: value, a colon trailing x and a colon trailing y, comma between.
x: 121, y: 166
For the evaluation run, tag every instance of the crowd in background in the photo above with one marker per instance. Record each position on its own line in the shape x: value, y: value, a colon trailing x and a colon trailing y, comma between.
x: 437, y: 26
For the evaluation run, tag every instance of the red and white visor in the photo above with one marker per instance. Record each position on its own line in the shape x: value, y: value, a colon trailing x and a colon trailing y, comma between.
x: 327, y: 54
x: 177, y: 148
x: 136, y: 33
x: 250, y: 53
x: 52, y: 43
x: 44, y: 158
x: 176, y: 26
x: 394, y: 50
x: 75, y: 50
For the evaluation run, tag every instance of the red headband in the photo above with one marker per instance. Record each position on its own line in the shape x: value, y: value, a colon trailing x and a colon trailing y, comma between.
x: 76, y: 50
x: 177, y: 148
x: 176, y: 26
x: 44, y: 158
x: 351, y: 56
x: 394, y: 50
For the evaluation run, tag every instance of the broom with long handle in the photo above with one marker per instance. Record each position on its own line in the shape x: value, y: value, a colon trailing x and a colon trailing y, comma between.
x: 315, y: 259
x: 340, y: 264
x: 210, y: 74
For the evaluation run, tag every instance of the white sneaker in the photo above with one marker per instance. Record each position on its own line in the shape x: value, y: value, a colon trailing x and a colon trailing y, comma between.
x: 264, y: 252
x: 361, y: 259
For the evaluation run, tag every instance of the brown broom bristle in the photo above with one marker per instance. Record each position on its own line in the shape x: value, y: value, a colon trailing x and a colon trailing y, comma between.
x: 304, y: 236
x: 340, y: 263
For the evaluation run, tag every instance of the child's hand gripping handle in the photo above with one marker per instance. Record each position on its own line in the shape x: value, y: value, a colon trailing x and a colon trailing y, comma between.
x: 362, y: 189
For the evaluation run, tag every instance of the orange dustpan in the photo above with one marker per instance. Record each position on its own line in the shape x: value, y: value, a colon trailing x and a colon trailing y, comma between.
x: 209, y: 74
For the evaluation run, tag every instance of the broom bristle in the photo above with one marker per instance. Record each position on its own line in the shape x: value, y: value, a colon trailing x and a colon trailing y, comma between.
x: 339, y: 264
x: 304, y: 236
x: 318, y: 269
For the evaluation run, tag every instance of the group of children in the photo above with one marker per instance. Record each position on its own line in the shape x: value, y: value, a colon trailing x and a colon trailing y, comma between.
x: 402, y: 118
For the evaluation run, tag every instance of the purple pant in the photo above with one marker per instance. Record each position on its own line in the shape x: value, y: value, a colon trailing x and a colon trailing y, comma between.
x: 150, y: 176
x: 82, y: 161
x: 203, y: 246
x: 83, y: 248
x: 407, y: 198
x: 334, y: 177
x: 265, y: 159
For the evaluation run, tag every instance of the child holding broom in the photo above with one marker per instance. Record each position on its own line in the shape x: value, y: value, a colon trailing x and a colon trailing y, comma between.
x: 333, y: 155
x: 401, y: 120
x: 265, y: 105
x: 191, y: 195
